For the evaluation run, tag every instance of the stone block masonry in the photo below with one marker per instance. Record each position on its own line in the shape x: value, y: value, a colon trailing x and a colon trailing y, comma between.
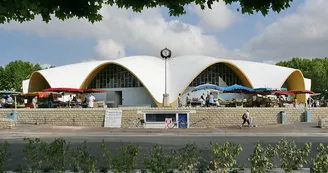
x: 198, y: 117
x: 59, y: 117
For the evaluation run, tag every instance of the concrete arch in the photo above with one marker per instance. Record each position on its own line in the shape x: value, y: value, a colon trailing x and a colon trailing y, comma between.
x: 37, y: 82
x: 100, y: 67
x: 295, y: 81
x: 243, y: 77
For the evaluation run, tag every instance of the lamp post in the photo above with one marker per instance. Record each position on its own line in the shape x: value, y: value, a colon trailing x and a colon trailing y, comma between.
x: 166, y: 54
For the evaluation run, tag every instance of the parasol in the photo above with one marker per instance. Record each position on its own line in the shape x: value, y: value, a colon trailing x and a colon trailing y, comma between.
x: 207, y: 86
x: 237, y: 89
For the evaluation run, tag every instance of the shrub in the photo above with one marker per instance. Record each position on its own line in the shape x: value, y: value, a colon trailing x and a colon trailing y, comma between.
x: 106, y: 155
x: 58, y: 155
x: 292, y: 157
x: 320, y: 161
x: 188, y: 158
x: 158, y: 161
x: 35, y: 154
x: 223, y: 156
x: 83, y: 160
x: 261, y: 159
x: 125, y: 159
x: 4, y: 157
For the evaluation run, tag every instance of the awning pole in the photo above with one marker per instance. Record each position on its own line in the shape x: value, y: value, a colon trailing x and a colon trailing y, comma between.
x: 15, y: 104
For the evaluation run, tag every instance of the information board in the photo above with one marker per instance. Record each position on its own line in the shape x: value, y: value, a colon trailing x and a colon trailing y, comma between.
x: 113, y: 118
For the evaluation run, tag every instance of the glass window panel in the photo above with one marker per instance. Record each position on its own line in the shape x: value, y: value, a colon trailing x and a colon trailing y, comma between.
x: 219, y: 74
x: 114, y: 76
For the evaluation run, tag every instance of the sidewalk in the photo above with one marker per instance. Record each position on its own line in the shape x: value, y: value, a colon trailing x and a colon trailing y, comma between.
x: 299, y: 129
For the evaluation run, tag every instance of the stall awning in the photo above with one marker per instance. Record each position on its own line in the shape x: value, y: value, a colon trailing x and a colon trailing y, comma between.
x: 39, y: 94
x: 302, y: 92
x: 237, y: 89
x: 65, y: 90
x: 281, y: 93
x: 207, y: 86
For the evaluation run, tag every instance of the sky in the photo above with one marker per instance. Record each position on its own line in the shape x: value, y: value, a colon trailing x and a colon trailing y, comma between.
x: 223, y: 32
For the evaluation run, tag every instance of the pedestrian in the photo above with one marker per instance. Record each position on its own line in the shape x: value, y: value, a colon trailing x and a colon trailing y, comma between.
x: 246, y: 118
x: 35, y: 101
x: 188, y: 100
x: 50, y: 100
x: 203, y: 99
x: 179, y: 101
x: 211, y: 100
x: 70, y: 99
x: 91, y: 101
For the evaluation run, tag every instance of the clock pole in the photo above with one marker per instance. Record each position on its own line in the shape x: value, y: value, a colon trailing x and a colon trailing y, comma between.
x: 166, y: 54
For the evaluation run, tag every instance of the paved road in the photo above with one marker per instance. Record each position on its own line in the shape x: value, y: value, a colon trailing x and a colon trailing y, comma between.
x: 169, y: 143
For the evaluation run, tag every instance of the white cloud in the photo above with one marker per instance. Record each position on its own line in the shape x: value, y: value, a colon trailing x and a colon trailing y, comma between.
x: 220, y: 17
x: 109, y: 49
x: 146, y: 33
x: 303, y: 33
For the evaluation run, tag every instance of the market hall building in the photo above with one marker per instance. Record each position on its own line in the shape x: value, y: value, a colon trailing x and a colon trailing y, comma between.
x: 142, y: 80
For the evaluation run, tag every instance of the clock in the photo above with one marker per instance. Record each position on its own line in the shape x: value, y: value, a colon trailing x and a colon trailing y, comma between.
x: 166, y: 53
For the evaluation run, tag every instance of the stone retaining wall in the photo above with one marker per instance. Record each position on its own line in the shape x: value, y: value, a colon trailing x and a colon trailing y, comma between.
x: 199, y: 117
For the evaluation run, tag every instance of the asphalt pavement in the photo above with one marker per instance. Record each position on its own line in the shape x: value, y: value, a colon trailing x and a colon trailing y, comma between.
x: 168, y: 142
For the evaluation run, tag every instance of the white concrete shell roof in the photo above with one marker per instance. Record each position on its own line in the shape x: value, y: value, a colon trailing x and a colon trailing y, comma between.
x: 181, y: 71
x: 149, y: 70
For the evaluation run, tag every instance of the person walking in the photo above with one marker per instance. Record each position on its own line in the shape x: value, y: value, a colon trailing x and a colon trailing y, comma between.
x: 246, y: 118
x: 179, y: 101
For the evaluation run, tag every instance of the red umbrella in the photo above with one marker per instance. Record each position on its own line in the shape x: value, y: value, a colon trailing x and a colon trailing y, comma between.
x: 301, y: 92
x: 68, y: 90
x: 92, y: 90
x: 282, y: 92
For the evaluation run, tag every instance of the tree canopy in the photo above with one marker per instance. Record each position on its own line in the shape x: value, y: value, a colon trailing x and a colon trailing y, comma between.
x: 12, y: 75
x: 315, y: 69
x: 26, y: 10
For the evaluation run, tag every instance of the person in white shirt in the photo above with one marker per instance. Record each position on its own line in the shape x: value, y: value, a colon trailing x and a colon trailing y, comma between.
x: 211, y: 101
x: 246, y: 118
x: 91, y: 100
x: 35, y: 101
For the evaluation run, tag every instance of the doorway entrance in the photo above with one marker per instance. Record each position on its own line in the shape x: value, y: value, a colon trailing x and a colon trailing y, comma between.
x: 182, y: 120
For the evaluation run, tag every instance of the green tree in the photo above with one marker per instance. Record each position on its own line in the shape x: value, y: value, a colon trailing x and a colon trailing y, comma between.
x: 12, y: 75
x: 1, y: 77
x: 26, y: 10
x: 315, y: 69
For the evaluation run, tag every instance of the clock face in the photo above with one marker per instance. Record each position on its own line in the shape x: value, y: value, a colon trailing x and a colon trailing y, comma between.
x: 166, y: 53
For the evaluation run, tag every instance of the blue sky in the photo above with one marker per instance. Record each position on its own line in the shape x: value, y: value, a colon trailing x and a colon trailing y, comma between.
x: 19, y: 43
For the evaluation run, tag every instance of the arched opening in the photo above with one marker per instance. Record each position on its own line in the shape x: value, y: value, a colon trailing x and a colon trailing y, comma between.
x: 125, y: 89
x: 295, y: 81
x: 222, y: 74
x: 37, y: 83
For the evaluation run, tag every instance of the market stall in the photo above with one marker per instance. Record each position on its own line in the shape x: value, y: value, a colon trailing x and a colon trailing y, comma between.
x: 25, y: 100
